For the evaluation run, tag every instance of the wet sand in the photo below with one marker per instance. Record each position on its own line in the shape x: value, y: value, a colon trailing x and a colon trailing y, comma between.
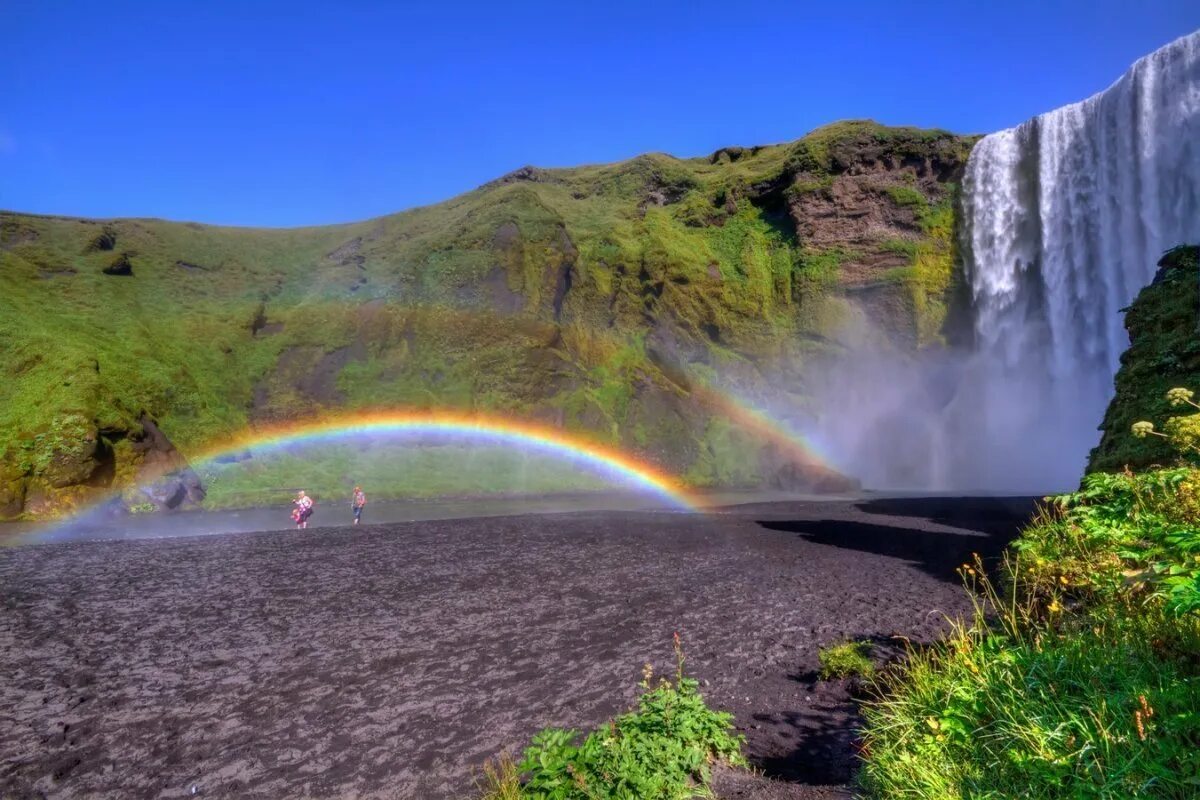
x: 391, y: 660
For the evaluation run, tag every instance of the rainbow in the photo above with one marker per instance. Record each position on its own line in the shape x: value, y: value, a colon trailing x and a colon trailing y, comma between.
x: 749, y: 417
x: 612, y: 463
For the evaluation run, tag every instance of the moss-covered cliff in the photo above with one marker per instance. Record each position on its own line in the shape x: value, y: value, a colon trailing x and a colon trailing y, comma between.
x: 599, y: 298
x: 1164, y: 352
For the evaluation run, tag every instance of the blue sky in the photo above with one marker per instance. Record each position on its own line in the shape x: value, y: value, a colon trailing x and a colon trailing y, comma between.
x: 259, y: 113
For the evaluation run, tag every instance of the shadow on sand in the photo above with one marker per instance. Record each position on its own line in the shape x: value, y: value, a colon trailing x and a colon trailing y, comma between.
x: 936, y: 536
x: 983, y: 514
x: 937, y: 553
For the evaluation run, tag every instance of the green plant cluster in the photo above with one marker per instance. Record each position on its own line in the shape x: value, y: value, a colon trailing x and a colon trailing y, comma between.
x: 663, y: 750
x: 1123, y: 538
x: 1080, y: 677
x: 907, y: 196
x: 846, y: 660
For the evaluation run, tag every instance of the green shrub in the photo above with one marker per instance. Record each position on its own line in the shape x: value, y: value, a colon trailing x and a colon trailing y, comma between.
x: 1120, y: 539
x: 846, y: 660
x: 663, y: 750
x: 900, y: 247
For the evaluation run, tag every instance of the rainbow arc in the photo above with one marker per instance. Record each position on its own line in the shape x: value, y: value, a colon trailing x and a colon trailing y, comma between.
x: 613, y: 464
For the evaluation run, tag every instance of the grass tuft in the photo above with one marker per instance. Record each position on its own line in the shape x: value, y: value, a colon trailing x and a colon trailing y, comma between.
x: 846, y: 660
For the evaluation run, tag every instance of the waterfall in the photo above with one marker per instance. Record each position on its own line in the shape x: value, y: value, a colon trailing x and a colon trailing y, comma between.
x: 1064, y: 219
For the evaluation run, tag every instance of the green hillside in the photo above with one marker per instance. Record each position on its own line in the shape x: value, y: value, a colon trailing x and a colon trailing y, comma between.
x: 598, y: 299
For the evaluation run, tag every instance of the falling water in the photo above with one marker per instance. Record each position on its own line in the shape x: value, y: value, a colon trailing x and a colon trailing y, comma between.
x: 1065, y: 218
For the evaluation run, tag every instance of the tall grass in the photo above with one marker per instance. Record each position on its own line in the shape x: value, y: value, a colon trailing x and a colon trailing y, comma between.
x: 1077, y: 677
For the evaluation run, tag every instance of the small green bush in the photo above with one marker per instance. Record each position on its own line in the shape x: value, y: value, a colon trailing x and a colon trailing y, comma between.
x: 900, y: 247
x: 846, y: 660
x: 663, y: 750
x: 1123, y: 538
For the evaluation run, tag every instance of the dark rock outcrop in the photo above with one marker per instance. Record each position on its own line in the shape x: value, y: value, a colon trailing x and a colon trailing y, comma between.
x: 84, y: 466
x: 120, y: 265
x: 103, y: 241
x: 164, y: 476
x: 809, y: 477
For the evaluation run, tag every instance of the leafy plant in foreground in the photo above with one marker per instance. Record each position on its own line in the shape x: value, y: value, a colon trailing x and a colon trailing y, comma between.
x: 1119, y: 538
x: 663, y: 750
x: 1182, y: 432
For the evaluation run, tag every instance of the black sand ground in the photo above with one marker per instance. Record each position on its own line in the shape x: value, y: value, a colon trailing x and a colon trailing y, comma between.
x: 391, y: 660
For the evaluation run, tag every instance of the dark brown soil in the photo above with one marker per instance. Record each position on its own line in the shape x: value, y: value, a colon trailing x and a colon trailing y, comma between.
x: 391, y: 660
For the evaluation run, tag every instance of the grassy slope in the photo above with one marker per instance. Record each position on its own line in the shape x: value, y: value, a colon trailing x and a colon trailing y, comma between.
x: 589, y: 297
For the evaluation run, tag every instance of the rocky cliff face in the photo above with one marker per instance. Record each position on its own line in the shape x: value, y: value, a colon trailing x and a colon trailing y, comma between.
x: 1164, y: 352
x: 615, y: 301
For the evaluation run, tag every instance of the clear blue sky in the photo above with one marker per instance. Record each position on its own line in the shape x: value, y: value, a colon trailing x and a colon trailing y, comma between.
x: 259, y: 113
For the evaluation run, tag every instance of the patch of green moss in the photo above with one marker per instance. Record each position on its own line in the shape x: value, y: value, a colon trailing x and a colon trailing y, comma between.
x: 846, y: 660
x: 729, y: 456
x: 900, y: 247
x: 817, y: 269
x: 810, y: 186
x: 906, y: 197
x: 932, y: 262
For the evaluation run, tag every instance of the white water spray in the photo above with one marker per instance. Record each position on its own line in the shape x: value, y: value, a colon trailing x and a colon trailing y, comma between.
x: 1063, y: 221
x: 1065, y: 217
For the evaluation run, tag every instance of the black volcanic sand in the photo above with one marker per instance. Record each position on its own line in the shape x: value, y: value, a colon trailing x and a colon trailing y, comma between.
x: 391, y: 660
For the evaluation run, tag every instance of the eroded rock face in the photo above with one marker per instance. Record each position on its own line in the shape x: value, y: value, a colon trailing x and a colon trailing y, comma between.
x: 12, y: 496
x: 83, y: 467
x: 77, y: 454
x: 165, y: 475
x: 120, y: 265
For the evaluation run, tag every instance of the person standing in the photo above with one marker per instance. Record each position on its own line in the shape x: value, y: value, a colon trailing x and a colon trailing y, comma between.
x: 304, y: 504
x: 356, y: 504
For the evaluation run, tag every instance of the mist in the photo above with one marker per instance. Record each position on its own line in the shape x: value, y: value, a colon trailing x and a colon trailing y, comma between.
x: 951, y: 420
